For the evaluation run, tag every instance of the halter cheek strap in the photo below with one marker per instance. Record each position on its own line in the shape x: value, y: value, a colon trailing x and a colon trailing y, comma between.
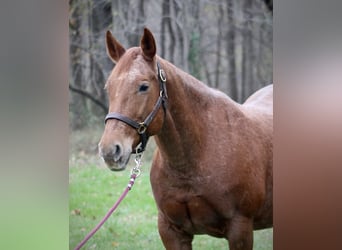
x: 141, y: 127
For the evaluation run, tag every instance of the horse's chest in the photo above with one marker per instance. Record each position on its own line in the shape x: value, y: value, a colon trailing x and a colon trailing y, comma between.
x: 193, y: 214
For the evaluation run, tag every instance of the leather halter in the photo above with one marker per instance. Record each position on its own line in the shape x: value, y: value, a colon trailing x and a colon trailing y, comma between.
x: 141, y: 127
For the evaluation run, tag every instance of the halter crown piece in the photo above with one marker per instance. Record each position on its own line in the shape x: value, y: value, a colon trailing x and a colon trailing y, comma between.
x: 141, y: 127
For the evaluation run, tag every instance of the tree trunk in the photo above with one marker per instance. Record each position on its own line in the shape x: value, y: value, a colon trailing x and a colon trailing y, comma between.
x: 231, y: 52
x: 79, y: 61
x: 195, y: 55
x: 247, y: 50
x: 167, y: 24
x: 101, y: 18
x: 218, y: 46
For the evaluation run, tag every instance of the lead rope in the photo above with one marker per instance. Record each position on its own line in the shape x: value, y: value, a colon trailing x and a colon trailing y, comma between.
x: 135, y: 172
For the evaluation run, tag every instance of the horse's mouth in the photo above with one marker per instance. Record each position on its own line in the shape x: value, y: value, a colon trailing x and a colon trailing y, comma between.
x: 117, y: 165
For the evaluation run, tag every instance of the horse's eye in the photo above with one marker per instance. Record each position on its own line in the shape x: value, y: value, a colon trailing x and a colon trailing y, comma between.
x: 143, y: 87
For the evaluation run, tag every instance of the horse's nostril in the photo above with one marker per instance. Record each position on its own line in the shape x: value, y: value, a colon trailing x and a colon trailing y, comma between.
x: 113, y: 153
x: 117, y: 151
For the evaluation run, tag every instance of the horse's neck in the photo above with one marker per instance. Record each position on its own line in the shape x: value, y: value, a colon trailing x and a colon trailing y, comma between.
x: 182, y: 138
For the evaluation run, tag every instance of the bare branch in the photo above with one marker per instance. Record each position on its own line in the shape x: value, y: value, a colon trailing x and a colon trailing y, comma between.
x: 89, y: 96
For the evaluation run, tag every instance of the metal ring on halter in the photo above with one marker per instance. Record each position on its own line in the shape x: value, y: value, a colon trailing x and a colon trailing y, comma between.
x: 162, y: 75
x: 142, y: 128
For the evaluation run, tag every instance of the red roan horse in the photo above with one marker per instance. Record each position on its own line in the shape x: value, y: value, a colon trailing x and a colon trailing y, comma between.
x: 212, y: 170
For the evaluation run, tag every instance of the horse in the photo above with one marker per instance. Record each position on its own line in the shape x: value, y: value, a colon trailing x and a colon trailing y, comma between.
x: 212, y: 167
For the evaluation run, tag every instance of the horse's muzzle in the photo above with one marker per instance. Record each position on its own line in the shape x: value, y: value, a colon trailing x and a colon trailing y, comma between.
x: 115, y: 158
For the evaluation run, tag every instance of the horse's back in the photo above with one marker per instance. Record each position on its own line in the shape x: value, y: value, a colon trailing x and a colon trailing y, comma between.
x: 261, y: 100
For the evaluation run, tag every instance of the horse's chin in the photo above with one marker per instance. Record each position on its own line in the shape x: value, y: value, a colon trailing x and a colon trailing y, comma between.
x: 115, y: 169
x: 118, y: 165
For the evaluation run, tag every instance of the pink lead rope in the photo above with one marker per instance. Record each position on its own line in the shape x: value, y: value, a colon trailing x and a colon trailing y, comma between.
x: 134, y: 174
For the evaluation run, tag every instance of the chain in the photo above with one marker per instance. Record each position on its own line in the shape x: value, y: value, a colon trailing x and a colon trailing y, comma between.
x: 138, y: 162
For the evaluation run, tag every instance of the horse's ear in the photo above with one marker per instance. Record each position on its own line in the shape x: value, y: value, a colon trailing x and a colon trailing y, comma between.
x: 148, y: 45
x: 114, y: 49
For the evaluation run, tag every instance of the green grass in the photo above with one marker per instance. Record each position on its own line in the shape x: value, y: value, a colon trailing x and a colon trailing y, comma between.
x: 93, y: 189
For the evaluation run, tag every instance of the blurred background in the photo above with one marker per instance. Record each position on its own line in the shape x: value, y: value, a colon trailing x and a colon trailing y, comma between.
x: 227, y: 44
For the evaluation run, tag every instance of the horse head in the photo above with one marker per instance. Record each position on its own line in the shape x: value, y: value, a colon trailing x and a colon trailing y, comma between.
x: 134, y: 92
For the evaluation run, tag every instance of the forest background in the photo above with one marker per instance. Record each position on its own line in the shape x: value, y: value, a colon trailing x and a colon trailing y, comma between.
x: 227, y: 44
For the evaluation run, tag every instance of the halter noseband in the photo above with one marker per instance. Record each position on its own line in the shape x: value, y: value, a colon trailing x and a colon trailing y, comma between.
x: 141, y: 127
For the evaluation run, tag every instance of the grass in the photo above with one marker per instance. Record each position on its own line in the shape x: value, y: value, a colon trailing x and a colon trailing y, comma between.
x: 93, y: 189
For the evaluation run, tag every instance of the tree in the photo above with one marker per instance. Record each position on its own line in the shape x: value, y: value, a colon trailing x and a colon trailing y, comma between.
x: 247, y: 76
x: 230, y: 40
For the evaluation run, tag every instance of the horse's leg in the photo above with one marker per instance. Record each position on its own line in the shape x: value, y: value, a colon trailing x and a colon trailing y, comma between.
x: 240, y: 233
x: 172, y: 239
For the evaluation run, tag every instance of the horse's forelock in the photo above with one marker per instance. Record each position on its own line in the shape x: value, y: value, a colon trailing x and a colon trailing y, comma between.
x: 127, y: 59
